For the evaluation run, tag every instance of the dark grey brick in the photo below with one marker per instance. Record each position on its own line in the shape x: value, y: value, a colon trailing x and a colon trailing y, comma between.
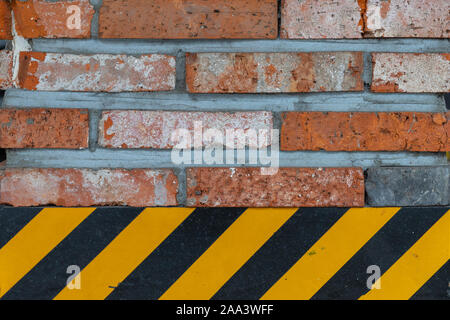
x: 408, y: 186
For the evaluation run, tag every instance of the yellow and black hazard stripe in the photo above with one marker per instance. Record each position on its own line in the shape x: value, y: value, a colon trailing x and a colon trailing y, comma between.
x: 224, y: 253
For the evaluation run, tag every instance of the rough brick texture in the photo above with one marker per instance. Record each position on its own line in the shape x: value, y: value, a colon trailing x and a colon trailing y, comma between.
x: 60, y: 19
x: 5, y: 20
x: 153, y: 129
x: 404, y: 19
x: 83, y: 187
x: 177, y: 19
x: 411, y: 72
x: 366, y: 131
x: 100, y: 72
x: 289, y: 187
x: 44, y: 128
x: 326, y: 19
x: 6, y: 65
x: 274, y: 72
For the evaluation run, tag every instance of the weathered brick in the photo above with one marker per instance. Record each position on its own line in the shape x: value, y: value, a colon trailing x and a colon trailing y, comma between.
x: 153, y: 129
x: 44, y: 128
x: 408, y: 186
x: 289, y: 187
x: 57, y: 19
x: 99, y: 72
x: 178, y: 19
x: 6, y: 66
x: 403, y: 19
x: 5, y: 20
x: 365, y: 131
x: 84, y: 187
x: 274, y: 72
x: 326, y: 19
x: 411, y: 72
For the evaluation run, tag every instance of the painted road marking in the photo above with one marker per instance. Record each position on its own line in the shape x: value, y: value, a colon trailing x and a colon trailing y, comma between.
x: 224, y: 258
x: 126, y: 252
x: 35, y: 241
x: 417, y: 265
x: 224, y: 253
x: 330, y: 253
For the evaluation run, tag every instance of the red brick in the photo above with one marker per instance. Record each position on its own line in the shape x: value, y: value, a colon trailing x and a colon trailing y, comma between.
x: 274, y: 72
x: 6, y: 67
x: 84, y: 187
x: 196, y: 19
x: 153, y: 129
x: 44, y: 128
x: 5, y: 20
x: 328, y: 19
x: 100, y: 72
x: 44, y: 19
x: 289, y: 187
x: 365, y: 131
x: 411, y: 72
x: 412, y: 18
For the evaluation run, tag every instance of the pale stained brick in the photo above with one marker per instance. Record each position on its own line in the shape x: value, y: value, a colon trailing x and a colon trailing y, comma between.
x: 274, y: 72
x: 154, y: 129
x: 411, y: 72
x: 85, y: 187
x: 325, y: 19
x: 99, y: 72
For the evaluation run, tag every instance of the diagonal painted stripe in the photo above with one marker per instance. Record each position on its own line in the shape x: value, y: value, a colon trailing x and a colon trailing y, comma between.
x: 126, y: 252
x: 35, y: 241
x: 226, y: 255
x: 329, y: 253
x: 176, y: 254
x: 82, y: 245
x: 417, y: 265
x: 438, y: 287
x: 279, y: 253
x: 382, y: 250
x: 13, y: 220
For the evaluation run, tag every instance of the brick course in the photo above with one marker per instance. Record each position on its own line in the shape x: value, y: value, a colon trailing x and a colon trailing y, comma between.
x: 61, y: 19
x: 326, y: 19
x: 366, y: 131
x: 289, y: 187
x: 408, y: 19
x: 100, y: 72
x: 6, y: 69
x: 84, y: 187
x: 44, y: 128
x: 411, y: 72
x: 5, y: 20
x: 194, y: 19
x: 153, y: 129
x: 274, y: 72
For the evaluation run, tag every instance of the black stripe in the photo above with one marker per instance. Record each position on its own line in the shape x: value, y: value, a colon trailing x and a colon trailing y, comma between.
x: 437, y: 288
x: 279, y: 253
x: 79, y: 248
x: 176, y: 254
x: 12, y: 220
x: 383, y: 250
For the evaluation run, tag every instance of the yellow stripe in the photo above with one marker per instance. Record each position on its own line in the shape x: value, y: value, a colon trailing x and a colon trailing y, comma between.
x: 227, y: 254
x: 31, y: 244
x: 127, y: 251
x: 329, y: 253
x: 416, y: 266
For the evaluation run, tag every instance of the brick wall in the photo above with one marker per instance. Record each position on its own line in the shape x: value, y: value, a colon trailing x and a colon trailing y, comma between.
x: 97, y: 89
